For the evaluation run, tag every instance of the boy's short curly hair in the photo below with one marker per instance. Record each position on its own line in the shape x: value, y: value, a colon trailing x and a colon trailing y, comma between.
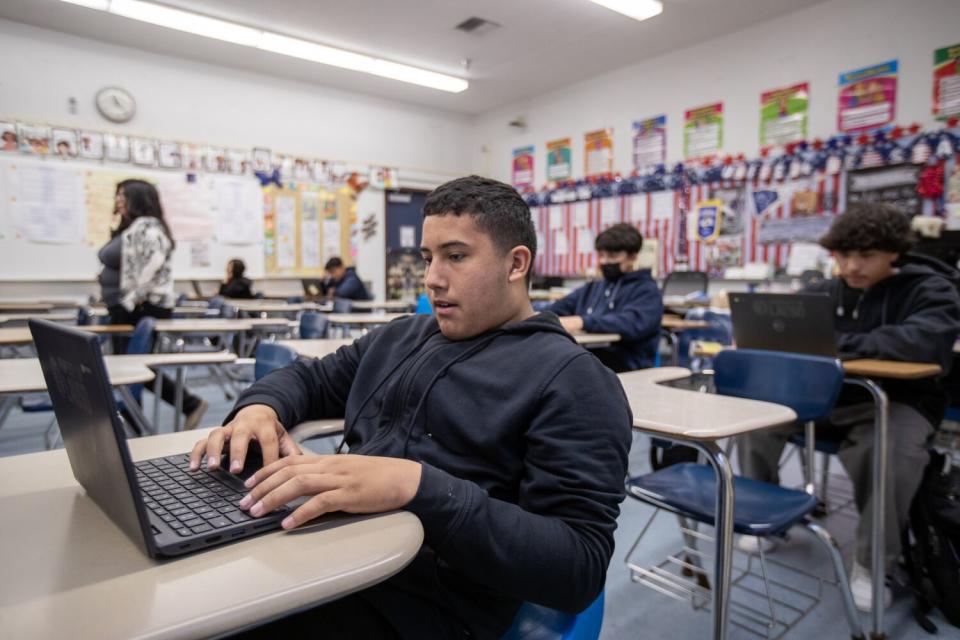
x: 866, y: 226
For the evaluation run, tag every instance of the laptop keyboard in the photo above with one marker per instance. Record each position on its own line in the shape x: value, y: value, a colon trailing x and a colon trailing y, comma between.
x: 191, y: 502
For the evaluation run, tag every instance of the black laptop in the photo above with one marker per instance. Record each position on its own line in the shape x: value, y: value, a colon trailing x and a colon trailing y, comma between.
x: 162, y: 505
x: 798, y: 323
x: 313, y: 287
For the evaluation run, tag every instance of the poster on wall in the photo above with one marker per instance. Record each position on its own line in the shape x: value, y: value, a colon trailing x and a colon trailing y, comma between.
x: 946, y: 82
x: 598, y: 152
x: 703, y: 131
x: 649, y: 142
x: 559, y: 160
x: 523, y: 167
x: 895, y: 185
x: 783, y: 115
x: 868, y: 98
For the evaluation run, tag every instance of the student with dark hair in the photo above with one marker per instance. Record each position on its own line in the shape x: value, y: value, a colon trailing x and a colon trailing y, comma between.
x: 625, y: 301
x: 343, y: 282
x: 136, y: 279
x: 890, y: 305
x: 485, y: 419
x: 235, y: 285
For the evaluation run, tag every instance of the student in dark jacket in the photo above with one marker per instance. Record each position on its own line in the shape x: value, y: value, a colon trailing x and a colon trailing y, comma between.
x: 235, y: 285
x: 624, y: 301
x: 343, y: 282
x: 890, y: 305
x: 486, y: 420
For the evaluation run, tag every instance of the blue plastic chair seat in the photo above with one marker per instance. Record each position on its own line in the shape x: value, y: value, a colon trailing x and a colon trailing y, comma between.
x: 35, y: 402
x: 760, y: 508
x: 535, y: 622
x: 823, y: 445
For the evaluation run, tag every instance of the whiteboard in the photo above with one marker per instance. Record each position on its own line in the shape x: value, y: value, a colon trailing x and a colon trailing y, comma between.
x: 55, y: 215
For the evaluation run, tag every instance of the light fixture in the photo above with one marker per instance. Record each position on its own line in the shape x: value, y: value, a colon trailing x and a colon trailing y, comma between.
x: 207, y: 27
x: 636, y: 9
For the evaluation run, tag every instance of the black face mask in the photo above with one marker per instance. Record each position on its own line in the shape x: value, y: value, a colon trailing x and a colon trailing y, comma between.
x: 611, y: 271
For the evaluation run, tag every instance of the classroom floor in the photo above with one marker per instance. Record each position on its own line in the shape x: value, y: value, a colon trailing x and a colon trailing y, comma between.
x: 632, y: 610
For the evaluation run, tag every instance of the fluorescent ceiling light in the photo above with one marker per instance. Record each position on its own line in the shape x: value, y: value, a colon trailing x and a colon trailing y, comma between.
x: 636, y: 9
x: 197, y: 24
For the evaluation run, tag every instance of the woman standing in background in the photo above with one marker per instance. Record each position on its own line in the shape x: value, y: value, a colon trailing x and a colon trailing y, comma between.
x: 136, y: 279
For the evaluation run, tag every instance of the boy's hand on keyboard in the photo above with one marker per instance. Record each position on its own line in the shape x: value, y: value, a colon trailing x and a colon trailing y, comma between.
x: 255, y: 422
x: 351, y: 483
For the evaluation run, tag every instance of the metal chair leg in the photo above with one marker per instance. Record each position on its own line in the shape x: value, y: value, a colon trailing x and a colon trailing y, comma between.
x: 810, y: 468
x: 843, y: 582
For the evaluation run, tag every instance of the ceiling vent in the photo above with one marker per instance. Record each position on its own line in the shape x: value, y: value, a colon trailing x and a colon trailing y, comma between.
x: 477, y: 26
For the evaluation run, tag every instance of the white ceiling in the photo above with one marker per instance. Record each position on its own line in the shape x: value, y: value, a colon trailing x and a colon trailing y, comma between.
x: 542, y: 44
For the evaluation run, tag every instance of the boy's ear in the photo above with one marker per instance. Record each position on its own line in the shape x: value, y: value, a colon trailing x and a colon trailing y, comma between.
x: 520, y: 263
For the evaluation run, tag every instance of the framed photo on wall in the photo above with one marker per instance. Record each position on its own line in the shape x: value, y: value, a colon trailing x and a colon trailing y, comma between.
x: 90, y: 145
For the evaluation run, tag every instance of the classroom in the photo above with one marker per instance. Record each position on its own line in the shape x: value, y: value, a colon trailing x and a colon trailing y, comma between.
x: 530, y: 319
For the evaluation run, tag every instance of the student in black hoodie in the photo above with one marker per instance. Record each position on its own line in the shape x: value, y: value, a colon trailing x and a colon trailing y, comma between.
x: 890, y: 305
x: 624, y: 301
x: 343, y: 281
x: 235, y: 285
x: 486, y: 420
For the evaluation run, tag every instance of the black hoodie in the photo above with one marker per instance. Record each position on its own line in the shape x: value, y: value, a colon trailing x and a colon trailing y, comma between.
x: 523, y: 436
x: 913, y: 316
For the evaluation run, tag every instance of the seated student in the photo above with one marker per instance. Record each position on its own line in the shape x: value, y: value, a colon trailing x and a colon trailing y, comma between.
x: 485, y: 419
x: 235, y: 285
x: 625, y: 301
x: 891, y: 305
x: 343, y: 282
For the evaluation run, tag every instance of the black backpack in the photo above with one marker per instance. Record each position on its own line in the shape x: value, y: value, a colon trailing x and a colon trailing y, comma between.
x: 932, y: 542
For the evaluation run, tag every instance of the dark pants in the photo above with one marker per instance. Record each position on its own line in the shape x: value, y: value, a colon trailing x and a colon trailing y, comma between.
x: 348, y: 618
x: 168, y: 389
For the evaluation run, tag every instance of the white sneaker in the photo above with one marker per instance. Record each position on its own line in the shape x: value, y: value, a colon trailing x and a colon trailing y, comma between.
x: 861, y: 586
x: 752, y: 544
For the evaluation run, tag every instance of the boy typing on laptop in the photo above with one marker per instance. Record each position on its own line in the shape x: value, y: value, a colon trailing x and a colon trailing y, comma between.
x: 890, y: 305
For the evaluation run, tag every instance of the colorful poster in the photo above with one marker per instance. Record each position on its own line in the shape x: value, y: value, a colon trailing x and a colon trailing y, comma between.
x: 598, y: 152
x: 783, y: 115
x: 523, y: 167
x: 649, y: 142
x: 868, y: 98
x: 946, y: 82
x: 703, y: 131
x: 559, y: 160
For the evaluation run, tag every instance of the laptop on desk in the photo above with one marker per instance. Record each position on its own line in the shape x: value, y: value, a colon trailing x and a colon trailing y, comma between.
x: 798, y: 323
x: 164, y: 507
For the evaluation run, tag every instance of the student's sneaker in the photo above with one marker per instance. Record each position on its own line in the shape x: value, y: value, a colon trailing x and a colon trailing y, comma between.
x: 752, y: 544
x: 193, y: 418
x: 861, y: 586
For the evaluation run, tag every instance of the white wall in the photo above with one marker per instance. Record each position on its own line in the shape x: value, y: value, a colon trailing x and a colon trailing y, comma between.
x: 813, y: 45
x: 180, y: 99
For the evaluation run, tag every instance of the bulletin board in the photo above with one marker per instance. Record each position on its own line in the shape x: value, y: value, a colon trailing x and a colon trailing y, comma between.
x: 55, y: 215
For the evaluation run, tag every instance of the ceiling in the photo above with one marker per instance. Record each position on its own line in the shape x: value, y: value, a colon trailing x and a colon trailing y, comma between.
x: 541, y: 44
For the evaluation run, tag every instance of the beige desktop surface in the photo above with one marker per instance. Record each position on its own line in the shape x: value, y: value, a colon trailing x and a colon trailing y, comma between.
x: 695, y: 416
x: 70, y: 573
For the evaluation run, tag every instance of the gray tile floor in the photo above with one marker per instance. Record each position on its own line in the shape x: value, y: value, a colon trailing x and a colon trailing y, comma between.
x: 632, y: 610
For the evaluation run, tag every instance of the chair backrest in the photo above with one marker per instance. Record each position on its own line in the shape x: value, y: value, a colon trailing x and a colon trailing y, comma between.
x: 181, y: 299
x: 313, y: 325
x: 294, y: 299
x: 720, y: 330
x: 423, y: 304
x: 270, y: 356
x: 342, y: 305
x: 84, y: 316
x: 811, y: 276
x: 681, y: 283
x: 534, y: 622
x: 228, y: 311
x: 215, y: 302
x: 142, y: 339
x: 807, y: 384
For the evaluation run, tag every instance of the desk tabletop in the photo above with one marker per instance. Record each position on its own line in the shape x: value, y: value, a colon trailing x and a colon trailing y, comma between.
x: 890, y: 369
x: 22, y: 335
x: 26, y: 307
x: 52, y: 317
x: 211, y: 325
x: 173, y: 359
x: 79, y: 576
x: 24, y: 375
x: 691, y: 415
x: 315, y: 348
x: 386, y: 305
x: 364, y: 318
x: 588, y: 339
x: 255, y: 306
x: 676, y: 323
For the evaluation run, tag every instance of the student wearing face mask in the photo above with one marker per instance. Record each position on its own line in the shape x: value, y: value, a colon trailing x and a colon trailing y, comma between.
x: 625, y: 301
